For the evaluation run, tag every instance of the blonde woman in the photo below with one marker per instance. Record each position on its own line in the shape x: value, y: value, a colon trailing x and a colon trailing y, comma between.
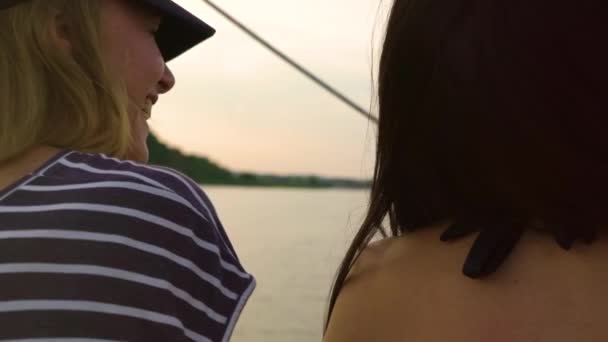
x: 94, y: 244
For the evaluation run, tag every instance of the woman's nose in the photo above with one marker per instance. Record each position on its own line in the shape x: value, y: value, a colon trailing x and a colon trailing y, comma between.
x: 166, y: 82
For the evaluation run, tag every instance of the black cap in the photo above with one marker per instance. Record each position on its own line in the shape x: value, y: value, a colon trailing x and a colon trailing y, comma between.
x: 179, y: 31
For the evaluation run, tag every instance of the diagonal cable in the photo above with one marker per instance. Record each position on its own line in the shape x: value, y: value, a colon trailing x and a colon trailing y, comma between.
x: 293, y: 63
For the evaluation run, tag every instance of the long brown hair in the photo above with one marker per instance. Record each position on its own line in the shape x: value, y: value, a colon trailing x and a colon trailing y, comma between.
x: 489, y: 110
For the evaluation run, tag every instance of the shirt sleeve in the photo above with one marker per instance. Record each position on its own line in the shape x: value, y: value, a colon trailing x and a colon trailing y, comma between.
x: 121, y: 260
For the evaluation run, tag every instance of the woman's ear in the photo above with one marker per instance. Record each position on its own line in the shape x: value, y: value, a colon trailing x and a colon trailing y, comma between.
x: 60, y: 32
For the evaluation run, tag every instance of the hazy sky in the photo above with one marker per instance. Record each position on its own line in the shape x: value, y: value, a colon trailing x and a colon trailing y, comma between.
x: 247, y: 110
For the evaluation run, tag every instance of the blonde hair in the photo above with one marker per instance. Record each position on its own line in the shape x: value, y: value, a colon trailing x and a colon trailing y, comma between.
x: 47, y: 96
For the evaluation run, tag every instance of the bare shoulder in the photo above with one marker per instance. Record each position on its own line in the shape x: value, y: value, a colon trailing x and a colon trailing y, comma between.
x: 371, y: 261
x: 412, y: 289
x: 357, y: 304
x: 386, y: 273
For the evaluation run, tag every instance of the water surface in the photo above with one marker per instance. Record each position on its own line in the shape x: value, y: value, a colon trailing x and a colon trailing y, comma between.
x: 292, y: 240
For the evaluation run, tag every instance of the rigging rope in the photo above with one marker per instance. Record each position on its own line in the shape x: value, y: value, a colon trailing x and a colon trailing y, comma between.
x: 293, y: 63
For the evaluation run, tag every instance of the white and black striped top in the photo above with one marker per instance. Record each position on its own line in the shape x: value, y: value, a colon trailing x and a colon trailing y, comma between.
x: 94, y: 248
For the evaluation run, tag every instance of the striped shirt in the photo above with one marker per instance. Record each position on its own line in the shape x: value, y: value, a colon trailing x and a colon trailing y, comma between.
x: 94, y: 248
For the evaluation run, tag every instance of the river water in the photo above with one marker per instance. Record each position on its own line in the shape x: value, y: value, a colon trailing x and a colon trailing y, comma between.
x: 292, y: 240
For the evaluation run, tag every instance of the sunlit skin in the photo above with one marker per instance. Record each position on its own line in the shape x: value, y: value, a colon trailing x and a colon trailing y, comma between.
x: 127, y: 36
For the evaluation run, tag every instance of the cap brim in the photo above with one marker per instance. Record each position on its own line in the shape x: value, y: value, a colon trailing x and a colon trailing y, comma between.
x: 180, y: 30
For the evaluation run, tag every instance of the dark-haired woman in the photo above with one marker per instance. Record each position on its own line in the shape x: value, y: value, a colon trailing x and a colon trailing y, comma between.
x: 491, y: 176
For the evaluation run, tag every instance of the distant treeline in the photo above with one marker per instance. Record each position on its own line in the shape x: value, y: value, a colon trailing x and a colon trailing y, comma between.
x: 205, y: 171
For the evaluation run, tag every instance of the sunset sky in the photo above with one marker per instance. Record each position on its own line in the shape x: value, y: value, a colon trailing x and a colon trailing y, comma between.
x: 245, y: 109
